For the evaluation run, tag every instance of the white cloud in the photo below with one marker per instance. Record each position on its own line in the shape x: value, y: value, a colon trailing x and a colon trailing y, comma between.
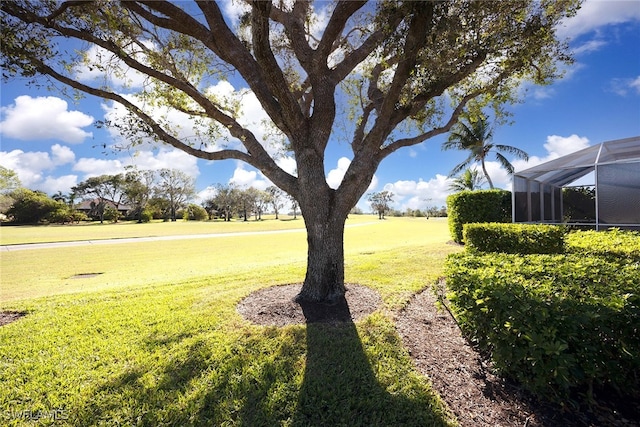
x: 245, y: 178
x: 556, y: 146
x: 420, y: 194
x: 96, y: 167
x: 498, y: 175
x: 374, y: 184
x: 589, y: 46
x: 165, y: 158
x: 52, y: 185
x: 62, y: 154
x: 44, y: 118
x: 34, y: 167
x: 635, y: 84
x: 206, y: 194
x: 233, y: 10
x: 624, y: 87
x: 594, y: 14
x: 288, y: 164
x: 334, y: 177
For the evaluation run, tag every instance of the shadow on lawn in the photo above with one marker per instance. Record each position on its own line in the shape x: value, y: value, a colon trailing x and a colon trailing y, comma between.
x: 340, y: 386
x: 254, y: 380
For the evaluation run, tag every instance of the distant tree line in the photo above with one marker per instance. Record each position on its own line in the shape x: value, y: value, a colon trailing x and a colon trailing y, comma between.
x: 140, y: 195
x: 231, y: 200
x: 167, y: 194
x: 137, y: 195
x: 380, y: 203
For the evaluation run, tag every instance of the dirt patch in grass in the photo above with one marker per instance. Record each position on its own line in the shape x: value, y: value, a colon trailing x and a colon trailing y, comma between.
x: 84, y: 275
x: 7, y: 317
x: 460, y: 375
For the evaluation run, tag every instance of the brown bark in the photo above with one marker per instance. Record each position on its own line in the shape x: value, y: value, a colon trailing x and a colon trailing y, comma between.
x: 324, y: 280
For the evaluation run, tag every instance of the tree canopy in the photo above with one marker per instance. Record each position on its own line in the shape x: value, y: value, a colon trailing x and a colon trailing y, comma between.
x: 398, y: 72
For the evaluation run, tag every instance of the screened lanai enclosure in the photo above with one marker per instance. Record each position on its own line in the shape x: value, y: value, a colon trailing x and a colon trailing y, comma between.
x: 598, y: 186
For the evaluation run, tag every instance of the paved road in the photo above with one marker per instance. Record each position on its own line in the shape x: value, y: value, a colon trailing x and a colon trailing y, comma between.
x: 53, y: 245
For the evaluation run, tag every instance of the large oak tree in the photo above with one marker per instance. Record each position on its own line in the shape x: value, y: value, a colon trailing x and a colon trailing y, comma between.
x: 397, y: 72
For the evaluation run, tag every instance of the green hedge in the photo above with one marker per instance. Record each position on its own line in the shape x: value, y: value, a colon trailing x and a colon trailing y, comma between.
x: 555, y: 323
x: 514, y: 238
x: 613, y: 244
x: 477, y: 206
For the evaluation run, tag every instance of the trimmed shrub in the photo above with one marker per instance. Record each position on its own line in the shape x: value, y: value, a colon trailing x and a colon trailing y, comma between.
x: 614, y: 244
x: 477, y: 206
x: 514, y: 238
x: 555, y: 323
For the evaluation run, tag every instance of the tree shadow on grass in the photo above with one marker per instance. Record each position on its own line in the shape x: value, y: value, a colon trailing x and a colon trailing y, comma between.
x: 256, y: 378
x: 340, y: 387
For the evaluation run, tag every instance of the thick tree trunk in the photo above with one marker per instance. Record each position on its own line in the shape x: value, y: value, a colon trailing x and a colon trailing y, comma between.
x: 324, y: 281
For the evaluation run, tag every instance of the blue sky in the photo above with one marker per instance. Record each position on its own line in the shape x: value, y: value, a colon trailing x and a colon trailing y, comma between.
x: 52, y: 144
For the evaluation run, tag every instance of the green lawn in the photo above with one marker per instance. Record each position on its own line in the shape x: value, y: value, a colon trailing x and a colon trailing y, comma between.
x: 11, y: 235
x: 156, y: 340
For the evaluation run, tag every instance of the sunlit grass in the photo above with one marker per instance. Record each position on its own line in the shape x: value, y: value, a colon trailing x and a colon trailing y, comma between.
x: 156, y: 340
x: 11, y: 235
x: 377, y: 245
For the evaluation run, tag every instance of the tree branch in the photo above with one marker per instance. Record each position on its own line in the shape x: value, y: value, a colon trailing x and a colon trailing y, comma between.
x: 358, y: 55
x: 419, y: 27
x: 278, y: 85
x: 453, y: 119
x: 294, y: 26
x: 225, y: 45
x: 341, y: 14
x: 65, y: 6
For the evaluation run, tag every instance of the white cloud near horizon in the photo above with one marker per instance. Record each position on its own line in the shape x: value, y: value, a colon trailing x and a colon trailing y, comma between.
x: 35, y: 168
x: 44, y: 118
x: 422, y: 194
x: 555, y: 147
x: 419, y: 194
x: 39, y: 170
x: 249, y: 178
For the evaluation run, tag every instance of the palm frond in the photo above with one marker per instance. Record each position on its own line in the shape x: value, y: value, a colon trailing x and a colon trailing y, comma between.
x: 521, y: 154
x: 461, y: 166
x: 505, y: 163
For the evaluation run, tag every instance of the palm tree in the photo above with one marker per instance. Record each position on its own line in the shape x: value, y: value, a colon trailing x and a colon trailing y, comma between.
x: 470, y: 179
x: 474, y: 136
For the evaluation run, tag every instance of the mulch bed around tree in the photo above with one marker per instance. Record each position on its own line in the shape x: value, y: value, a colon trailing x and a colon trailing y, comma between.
x: 275, y: 306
